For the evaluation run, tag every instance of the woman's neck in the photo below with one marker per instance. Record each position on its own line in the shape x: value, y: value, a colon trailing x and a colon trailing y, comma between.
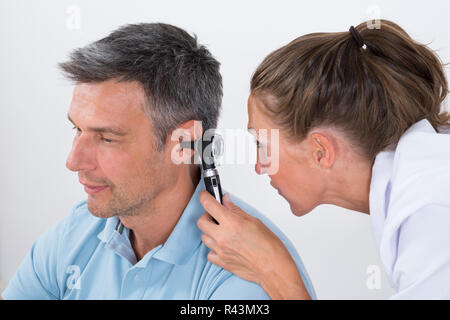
x: 350, y: 188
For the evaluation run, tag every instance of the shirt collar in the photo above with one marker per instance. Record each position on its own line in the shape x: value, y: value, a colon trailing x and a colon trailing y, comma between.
x: 182, y: 242
x: 111, y: 226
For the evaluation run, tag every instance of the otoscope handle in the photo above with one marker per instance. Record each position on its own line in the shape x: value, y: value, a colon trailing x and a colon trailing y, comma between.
x: 212, y: 184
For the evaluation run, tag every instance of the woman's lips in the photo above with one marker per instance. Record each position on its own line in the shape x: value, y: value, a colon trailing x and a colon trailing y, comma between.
x: 92, y: 190
x: 274, y: 186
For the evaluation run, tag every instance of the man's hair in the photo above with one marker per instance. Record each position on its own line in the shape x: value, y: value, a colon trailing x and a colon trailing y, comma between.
x: 180, y: 77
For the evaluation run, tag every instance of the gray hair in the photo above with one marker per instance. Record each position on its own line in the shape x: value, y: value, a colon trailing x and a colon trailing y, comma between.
x: 180, y: 77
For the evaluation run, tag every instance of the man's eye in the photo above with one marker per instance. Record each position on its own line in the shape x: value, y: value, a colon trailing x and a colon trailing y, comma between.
x: 107, y: 140
x: 103, y: 139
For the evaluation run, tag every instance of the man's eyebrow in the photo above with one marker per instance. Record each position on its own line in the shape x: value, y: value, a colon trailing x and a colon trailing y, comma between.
x: 113, y: 130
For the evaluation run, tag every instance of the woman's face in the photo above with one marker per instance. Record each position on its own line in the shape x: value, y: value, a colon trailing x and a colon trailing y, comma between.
x: 294, y: 173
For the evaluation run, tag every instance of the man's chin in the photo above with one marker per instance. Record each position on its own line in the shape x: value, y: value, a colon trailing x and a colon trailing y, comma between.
x: 97, y: 211
x: 101, y: 215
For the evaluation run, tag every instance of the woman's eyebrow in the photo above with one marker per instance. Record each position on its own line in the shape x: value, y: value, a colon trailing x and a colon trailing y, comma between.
x: 113, y: 130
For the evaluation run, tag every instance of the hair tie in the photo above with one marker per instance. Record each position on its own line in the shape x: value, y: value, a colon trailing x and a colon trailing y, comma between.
x: 357, y: 36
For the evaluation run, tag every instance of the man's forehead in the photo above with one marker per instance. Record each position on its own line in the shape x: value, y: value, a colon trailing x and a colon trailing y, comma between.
x: 111, y: 92
x: 109, y: 99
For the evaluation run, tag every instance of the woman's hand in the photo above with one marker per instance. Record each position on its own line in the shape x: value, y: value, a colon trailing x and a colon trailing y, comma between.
x: 243, y: 245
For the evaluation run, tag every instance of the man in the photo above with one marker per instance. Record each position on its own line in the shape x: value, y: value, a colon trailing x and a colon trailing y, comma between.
x: 136, y: 236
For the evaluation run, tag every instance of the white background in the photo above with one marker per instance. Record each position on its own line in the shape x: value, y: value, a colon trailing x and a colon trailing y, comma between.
x: 36, y: 189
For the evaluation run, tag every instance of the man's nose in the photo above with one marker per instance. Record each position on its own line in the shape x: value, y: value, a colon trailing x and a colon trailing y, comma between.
x: 82, y: 156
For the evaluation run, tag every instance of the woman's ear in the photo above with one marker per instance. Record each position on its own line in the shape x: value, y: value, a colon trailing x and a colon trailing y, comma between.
x: 323, y: 149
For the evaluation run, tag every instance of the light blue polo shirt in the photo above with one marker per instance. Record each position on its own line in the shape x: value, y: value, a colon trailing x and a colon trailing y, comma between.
x: 85, y: 257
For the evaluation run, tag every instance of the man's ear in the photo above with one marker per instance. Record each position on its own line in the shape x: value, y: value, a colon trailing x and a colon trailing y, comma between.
x: 323, y: 149
x: 188, y: 131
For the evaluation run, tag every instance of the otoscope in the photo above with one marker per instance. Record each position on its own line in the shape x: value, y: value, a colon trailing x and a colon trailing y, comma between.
x: 211, y: 145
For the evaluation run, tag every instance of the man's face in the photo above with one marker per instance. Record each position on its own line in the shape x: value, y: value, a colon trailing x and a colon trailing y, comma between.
x: 126, y: 162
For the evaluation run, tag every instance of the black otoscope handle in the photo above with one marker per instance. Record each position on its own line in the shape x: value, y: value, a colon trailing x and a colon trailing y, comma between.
x: 213, y: 186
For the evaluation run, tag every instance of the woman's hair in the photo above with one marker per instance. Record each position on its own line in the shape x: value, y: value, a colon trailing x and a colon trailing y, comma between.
x: 372, y: 95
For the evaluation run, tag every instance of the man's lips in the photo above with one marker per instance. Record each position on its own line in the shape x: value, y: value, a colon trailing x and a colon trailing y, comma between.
x: 93, y: 189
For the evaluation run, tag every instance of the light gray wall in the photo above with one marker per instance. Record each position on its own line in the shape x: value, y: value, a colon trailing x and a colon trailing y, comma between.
x: 35, y: 137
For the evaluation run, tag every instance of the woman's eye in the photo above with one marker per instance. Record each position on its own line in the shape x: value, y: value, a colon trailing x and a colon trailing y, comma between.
x: 78, y: 130
x: 258, y: 144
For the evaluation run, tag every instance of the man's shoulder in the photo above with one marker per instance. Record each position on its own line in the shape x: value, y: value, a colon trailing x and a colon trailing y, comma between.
x: 80, y: 220
x: 227, y: 285
x: 264, y: 219
x: 280, y: 234
x: 67, y: 243
x: 80, y: 211
x: 74, y: 237
x: 77, y: 226
x: 217, y: 283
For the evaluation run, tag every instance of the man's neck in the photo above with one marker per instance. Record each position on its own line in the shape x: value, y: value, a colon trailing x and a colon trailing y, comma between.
x: 154, y: 227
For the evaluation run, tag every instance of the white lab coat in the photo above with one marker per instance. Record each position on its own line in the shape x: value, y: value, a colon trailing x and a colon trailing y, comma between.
x: 410, y: 213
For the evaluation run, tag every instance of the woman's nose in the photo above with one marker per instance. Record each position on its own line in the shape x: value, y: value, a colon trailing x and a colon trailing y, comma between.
x: 259, y: 169
x: 260, y: 166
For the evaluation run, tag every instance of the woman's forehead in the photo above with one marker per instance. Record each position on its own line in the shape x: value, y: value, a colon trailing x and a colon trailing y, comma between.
x: 256, y: 118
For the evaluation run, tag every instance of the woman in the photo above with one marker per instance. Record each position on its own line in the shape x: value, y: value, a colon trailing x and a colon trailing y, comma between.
x: 361, y: 127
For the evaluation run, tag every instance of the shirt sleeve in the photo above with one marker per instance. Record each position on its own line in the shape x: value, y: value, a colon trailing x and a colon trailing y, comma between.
x: 422, y: 268
x: 235, y: 288
x: 36, y: 277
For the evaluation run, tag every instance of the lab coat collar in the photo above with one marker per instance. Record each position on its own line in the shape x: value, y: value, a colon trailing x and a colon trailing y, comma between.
x: 397, y: 173
x: 382, y: 172
x: 386, y: 166
x: 380, y: 189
